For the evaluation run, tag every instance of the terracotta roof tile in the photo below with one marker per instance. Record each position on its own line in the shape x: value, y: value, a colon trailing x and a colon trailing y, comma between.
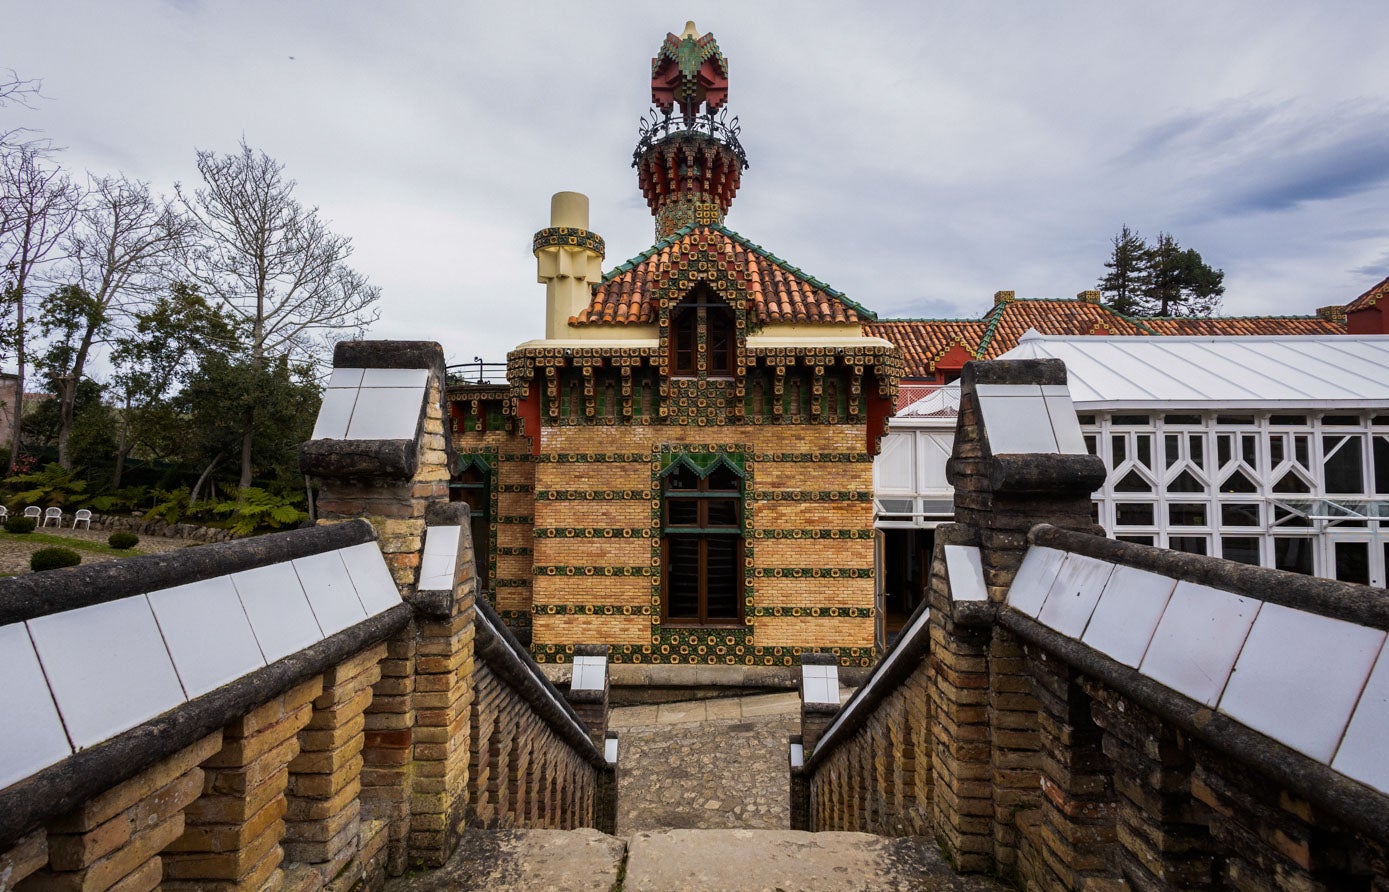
x: 1247, y: 325
x: 1009, y: 321
x: 1369, y: 298
x: 920, y: 342
x: 777, y: 291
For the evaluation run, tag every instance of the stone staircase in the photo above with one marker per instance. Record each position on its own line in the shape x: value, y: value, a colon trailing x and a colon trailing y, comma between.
x: 705, y: 860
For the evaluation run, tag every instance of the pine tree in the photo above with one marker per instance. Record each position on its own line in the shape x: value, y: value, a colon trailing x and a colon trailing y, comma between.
x: 1128, y: 272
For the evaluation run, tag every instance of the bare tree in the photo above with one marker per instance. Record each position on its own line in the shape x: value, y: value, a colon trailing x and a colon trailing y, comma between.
x: 120, y: 251
x: 272, y: 262
x: 37, y: 206
x: 18, y: 91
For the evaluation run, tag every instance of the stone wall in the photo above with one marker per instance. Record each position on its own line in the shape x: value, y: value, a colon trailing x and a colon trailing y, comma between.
x: 1052, y: 763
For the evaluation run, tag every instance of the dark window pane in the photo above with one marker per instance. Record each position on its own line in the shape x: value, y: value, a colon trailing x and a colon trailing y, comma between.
x: 1181, y: 419
x: 1172, y: 449
x: 722, y: 513
x: 1086, y: 419
x: 1276, y: 452
x: 1244, y: 549
x: 1234, y: 419
x: 1381, y: 459
x: 1238, y: 482
x: 1119, y: 442
x: 1196, y: 446
x: 1145, y: 450
x: 1353, y: 562
x: 1137, y: 540
x: 1284, y: 517
x: 1129, y: 420
x: 722, y: 479
x: 1249, y: 450
x: 682, y: 512
x: 1134, y: 514
x: 1293, y: 554
x: 1185, y: 482
x: 1302, y: 448
x: 723, y: 577
x: 1133, y: 482
x: 1188, y: 544
x: 1239, y: 514
x: 1291, y: 483
x: 1289, y: 420
x: 1091, y: 444
x: 1341, y: 419
x: 1342, y: 469
x: 682, y: 583
x: 682, y: 478
x: 1186, y: 515
x: 1224, y: 449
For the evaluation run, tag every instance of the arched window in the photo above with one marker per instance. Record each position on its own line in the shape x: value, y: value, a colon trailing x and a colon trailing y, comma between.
x: 702, y: 541
x: 702, y: 335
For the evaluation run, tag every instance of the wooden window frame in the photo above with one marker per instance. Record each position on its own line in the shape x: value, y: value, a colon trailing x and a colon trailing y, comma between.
x: 703, y: 531
x: 697, y: 318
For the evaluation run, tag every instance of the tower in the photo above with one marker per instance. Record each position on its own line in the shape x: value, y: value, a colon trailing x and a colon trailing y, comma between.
x: 689, y: 166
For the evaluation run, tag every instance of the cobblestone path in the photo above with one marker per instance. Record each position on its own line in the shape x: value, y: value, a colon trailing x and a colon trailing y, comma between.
x: 705, y: 765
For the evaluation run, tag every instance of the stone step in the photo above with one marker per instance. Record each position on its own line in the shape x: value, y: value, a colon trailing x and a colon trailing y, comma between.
x: 712, y: 860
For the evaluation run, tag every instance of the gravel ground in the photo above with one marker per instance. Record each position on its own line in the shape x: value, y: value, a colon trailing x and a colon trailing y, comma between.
x: 14, y: 554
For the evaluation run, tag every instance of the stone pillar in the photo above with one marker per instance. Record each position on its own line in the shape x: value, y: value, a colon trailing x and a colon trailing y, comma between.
x: 589, y: 689
x: 1019, y: 460
x: 819, y: 689
x: 800, y: 785
x: 233, y: 834
x: 324, y: 814
x: 114, y: 840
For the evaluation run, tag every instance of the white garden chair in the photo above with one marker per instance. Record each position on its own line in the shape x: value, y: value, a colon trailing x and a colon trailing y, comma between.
x: 33, y: 511
x: 55, y: 515
x: 83, y: 515
x: 4, y: 514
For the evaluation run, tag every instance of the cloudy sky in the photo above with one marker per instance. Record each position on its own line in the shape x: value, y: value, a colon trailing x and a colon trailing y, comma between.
x: 916, y: 156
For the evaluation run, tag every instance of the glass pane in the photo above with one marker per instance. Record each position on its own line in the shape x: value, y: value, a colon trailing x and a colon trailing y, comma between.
x: 1341, y: 419
x: 1293, y: 554
x: 1381, y: 459
x: 1302, y: 446
x: 721, y: 513
x: 1090, y: 444
x: 1185, y: 482
x: 1244, y: 549
x: 1172, y: 449
x: 1134, y: 514
x: 1133, y: 482
x: 682, y: 512
x: 1290, y: 482
x: 723, y: 576
x: 1196, y: 446
x: 1276, y: 447
x: 682, y: 577
x: 1119, y: 453
x: 1186, y: 515
x: 1238, y: 482
x: 1235, y: 419
x: 1129, y: 420
x: 1284, y: 517
x: 682, y: 478
x: 1342, y: 468
x: 1289, y: 420
x: 1249, y: 450
x: 1188, y: 544
x: 722, y: 479
x: 1239, y: 514
x: 1145, y: 450
x: 1181, y: 419
x: 1224, y: 449
x: 1353, y: 562
x: 1137, y: 540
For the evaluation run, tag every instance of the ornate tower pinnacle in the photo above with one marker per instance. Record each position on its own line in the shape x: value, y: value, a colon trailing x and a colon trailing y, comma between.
x: 689, y: 167
x: 569, y: 260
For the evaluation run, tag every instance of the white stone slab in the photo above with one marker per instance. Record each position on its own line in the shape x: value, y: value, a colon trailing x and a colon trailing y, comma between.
x: 1064, y: 423
x: 1127, y: 614
x: 31, y: 733
x: 345, y: 378
x: 331, y: 593
x: 1299, y: 676
x: 797, y: 755
x: 440, y: 558
x: 107, y: 666
x: 1362, y: 752
x: 396, y: 378
x: 1035, y: 578
x: 966, y: 571
x: 1198, y: 639
x: 334, y: 414
x: 386, y: 413
x: 208, y: 633
x: 997, y: 390
x: 1073, y: 596
x: 1017, y: 424
x: 610, y: 750
x: 278, y: 609
x: 820, y: 684
x: 590, y: 674
x: 371, y: 577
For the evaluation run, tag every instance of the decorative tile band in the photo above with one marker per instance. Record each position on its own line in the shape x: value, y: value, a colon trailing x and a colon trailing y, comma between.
x: 514, y: 487
x: 567, y: 237
x: 513, y: 549
x: 515, y: 518
x: 571, y: 457
x: 709, y: 650
x: 570, y: 570
x: 811, y: 534
x: 511, y: 583
x: 813, y: 495
x: 817, y: 457
x: 593, y: 532
x: 812, y: 572
x: 812, y: 611
x: 585, y: 495
x: 591, y: 610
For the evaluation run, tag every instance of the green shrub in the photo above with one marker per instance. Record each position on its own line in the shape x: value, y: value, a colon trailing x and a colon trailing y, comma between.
x: 53, y: 558
x: 20, y: 525
x: 122, y: 539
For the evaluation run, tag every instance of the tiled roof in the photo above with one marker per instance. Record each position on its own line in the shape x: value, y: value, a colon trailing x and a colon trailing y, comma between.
x: 923, y: 341
x: 1369, y: 298
x: 778, y: 291
x: 1246, y: 325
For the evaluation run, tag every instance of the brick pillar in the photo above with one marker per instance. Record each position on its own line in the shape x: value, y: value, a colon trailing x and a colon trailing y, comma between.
x: 801, y: 817
x: 605, y: 796
x: 233, y: 834
x: 387, y: 747
x: 819, y: 689
x: 324, y: 810
x: 114, y: 840
x: 589, y: 689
